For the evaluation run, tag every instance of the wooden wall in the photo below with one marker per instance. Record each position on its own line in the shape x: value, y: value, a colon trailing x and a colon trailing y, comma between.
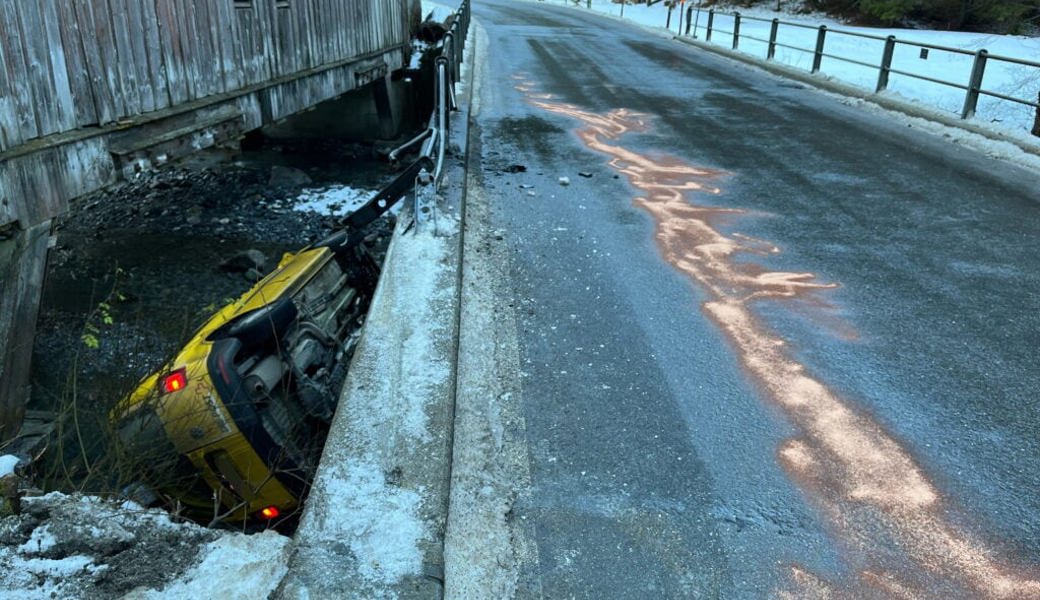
x: 66, y: 64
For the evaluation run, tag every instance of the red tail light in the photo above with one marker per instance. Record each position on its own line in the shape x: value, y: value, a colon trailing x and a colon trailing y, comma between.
x: 174, y: 382
x: 271, y: 512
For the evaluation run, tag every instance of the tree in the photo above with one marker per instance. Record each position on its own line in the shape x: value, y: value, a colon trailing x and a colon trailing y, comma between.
x: 889, y: 11
x: 982, y: 14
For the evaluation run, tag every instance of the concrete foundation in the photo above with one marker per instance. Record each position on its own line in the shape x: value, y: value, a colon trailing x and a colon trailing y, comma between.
x: 382, y: 110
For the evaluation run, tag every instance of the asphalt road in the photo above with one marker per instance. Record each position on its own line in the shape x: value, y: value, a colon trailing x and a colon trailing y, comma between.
x: 767, y: 345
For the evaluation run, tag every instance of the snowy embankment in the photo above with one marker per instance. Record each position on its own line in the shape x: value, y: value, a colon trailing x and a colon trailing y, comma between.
x: 61, y: 546
x: 1014, y: 80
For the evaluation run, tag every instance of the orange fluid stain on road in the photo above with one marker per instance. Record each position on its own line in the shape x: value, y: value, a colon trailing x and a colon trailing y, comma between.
x: 844, y: 459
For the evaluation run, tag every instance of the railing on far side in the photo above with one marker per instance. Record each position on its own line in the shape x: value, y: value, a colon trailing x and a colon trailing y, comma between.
x: 973, y: 88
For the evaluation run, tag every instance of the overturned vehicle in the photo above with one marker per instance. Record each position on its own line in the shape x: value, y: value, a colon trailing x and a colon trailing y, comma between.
x: 232, y: 428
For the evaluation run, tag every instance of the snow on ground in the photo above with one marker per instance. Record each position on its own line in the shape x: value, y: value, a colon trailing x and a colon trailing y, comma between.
x: 336, y: 200
x: 378, y: 521
x: 233, y: 566
x: 62, y: 546
x: 437, y: 11
x: 1019, y: 81
x: 7, y: 464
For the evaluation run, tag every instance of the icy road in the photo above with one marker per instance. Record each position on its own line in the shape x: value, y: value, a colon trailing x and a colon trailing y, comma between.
x: 727, y: 337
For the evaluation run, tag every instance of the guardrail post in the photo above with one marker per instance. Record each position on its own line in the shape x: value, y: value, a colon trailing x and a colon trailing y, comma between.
x: 689, y: 18
x: 457, y: 67
x: 457, y: 42
x: 1036, y: 119
x: 736, y: 30
x: 818, y: 53
x: 886, y: 63
x: 971, y: 98
x: 711, y: 19
x: 772, y: 39
x: 448, y: 52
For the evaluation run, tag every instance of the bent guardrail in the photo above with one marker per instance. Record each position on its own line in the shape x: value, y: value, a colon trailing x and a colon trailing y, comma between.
x: 448, y: 64
x: 434, y: 139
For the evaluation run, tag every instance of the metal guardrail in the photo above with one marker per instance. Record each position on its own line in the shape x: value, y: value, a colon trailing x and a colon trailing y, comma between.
x: 973, y: 88
x: 447, y: 65
x: 429, y: 167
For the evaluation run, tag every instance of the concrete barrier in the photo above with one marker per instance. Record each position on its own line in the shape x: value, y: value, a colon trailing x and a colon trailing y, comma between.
x: 374, y: 523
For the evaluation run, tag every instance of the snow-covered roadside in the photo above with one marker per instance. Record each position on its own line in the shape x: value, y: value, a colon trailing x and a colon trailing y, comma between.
x: 62, y: 546
x: 992, y: 139
x: 1009, y: 79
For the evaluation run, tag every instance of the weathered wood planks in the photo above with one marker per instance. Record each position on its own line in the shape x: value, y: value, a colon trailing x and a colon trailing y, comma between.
x: 66, y: 65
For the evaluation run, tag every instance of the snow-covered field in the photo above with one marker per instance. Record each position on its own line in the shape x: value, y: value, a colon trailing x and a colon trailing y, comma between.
x: 1014, y: 80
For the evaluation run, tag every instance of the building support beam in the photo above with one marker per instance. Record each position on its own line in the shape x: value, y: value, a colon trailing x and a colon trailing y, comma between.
x: 23, y: 265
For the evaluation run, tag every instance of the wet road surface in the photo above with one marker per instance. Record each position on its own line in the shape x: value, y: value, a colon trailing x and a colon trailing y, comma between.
x: 768, y: 346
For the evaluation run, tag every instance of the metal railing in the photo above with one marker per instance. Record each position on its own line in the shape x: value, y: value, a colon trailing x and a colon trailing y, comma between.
x: 447, y: 65
x: 973, y: 87
x: 424, y: 175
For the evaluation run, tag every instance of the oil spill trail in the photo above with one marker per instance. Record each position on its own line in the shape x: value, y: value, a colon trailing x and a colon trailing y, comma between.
x: 880, y: 503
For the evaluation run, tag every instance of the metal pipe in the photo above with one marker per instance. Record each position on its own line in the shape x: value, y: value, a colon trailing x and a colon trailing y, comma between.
x: 415, y: 140
x: 774, y: 27
x: 427, y: 149
x: 736, y: 30
x: 442, y: 116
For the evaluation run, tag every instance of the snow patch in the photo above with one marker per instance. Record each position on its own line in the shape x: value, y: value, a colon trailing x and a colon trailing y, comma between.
x: 336, y: 200
x: 234, y: 566
x: 380, y: 521
x: 62, y: 546
x: 418, y: 289
x: 45, y: 578
x: 7, y: 464
x: 436, y: 11
x: 40, y: 541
